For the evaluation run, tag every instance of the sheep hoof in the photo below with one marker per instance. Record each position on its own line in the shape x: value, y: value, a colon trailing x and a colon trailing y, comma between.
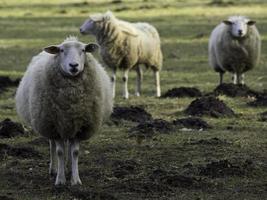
x: 61, y: 181
x: 76, y: 181
x: 52, y: 172
x: 126, y: 96
x: 137, y: 94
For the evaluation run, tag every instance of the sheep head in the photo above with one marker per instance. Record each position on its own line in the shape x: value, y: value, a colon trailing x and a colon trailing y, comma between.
x: 239, y: 25
x: 72, y: 55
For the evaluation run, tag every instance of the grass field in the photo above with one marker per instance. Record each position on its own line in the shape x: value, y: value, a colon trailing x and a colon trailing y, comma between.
x: 112, y: 165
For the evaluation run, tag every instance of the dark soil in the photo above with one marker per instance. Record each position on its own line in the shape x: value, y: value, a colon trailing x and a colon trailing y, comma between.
x: 133, y: 113
x: 123, y: 168
x: 90, y: 194
x: 224, y: 168
x: 5, y: 81
x: 182, y: 92
x: 150, y: 128
x: 209, y: 106
x: 10, y: 129
x: 173, y: 179
x: 211, y: 141
x: 232, y: 90
x: 22, y: 152
x: 260, y: 101
x: 192, y: 123
x: 39, y: 141
x: 6, y: 198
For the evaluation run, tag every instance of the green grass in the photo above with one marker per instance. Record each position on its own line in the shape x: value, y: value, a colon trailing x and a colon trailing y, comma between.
x: 184, y: 26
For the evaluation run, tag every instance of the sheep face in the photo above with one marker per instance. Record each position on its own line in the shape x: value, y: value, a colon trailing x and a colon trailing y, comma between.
x: 239, y: 26
x: 72, y: 56
x: 95, y: 23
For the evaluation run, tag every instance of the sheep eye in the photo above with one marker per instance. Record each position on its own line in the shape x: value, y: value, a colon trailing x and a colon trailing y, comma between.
x: 83, y: 50
x: 61, y: 50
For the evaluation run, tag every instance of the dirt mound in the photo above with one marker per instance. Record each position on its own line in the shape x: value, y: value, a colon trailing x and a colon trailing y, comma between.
x: 5, y: 81
x: 211, y: 141
x: 260, y: 101
x: 191, y: 123
x: 210, y: 106
x: 10, y: 129
x: 182, y: 92
x: 232, y: 90
x: 150, y: 128
x: 224, y: 168
x: 133, y: 113
x: 22, y: 152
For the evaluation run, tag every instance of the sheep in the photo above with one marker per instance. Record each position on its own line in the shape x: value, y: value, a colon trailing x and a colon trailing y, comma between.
x: 125, y: 46
x: 65, y: 95
x: 234, y: 46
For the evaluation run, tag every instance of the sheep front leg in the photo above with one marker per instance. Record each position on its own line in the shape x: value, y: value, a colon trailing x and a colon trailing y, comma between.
x: 53, y: 161
x: 221, y: 77
x: 139, y: 79
x: 125, y: 81
x: 157, y: 83
x: 60, y: 179
x: 74, y: 151
x: 242, y: 79
x: 113, y: 82
x: 235, y: 79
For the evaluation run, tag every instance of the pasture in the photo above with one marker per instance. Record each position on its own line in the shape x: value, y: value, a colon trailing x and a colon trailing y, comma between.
x: 226, y: 161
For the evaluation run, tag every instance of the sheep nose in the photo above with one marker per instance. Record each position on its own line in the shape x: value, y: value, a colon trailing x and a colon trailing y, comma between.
x: 240, y: 32
x: 81, y: 31
x: 73, y: 65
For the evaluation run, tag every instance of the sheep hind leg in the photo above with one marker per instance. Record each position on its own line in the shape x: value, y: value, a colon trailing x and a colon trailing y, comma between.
x: 125, y: 87
x: 242, y: 79
x: 221, y: 78
x: 113, y: 82
x: 157, y: 83
x: 139, y: 79
x: 53, y: 156
x: 235, y: 79
x: 74, y: 149
x: 60, y: 179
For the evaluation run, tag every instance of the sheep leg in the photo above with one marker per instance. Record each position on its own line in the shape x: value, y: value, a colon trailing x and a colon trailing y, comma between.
x: 113, y: 82
x: 74, y: 149
x: 235, y: 78
x: 125, y: 81
x: 221, y: 77
x: 60, y: 179
x: 242, y: 79
x: 157, y: 83
x: 53, y: 161
x: 139, y: 79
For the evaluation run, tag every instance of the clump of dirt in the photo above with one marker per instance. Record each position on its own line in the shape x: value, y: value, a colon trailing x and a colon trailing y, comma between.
x: 211, y: 141
x: 191, y: 123
x: 39, y: 141
x: 210, y: 106
x: 173, y: 179
x: 10, y: 129
x: 6, y: 198
x: 88, y: 194
x: 124, y: 168
x: 263, y: 116
x: 182, y: 92
x: 232, y: 90
x: 5, y: 81
x: 133, y: 113
x: 261, y: 100
x: 150, y: 128
x: 224, y: 168
x: 22, y: 152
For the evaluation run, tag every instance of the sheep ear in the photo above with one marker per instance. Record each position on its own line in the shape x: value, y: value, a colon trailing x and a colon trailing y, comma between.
x: 92, y: 47
x: 97, y: 17
x: 108, y: 15
x: 250, y: 23
x: 227, y: 22
x: 52, y: 49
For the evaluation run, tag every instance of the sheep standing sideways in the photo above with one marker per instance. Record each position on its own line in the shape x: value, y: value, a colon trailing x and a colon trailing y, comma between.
x: 234, y: 46
x: 125, y: 46
x: 65, y: 95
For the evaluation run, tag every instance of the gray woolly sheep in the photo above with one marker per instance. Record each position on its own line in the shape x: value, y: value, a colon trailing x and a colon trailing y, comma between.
x: 65, y: 95
x: 234, y: 46
x: 125, y: 46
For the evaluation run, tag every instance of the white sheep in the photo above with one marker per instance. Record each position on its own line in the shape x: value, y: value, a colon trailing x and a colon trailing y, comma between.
x: 234, y: 46
x: 125, y: 46
x: 65, y: 95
